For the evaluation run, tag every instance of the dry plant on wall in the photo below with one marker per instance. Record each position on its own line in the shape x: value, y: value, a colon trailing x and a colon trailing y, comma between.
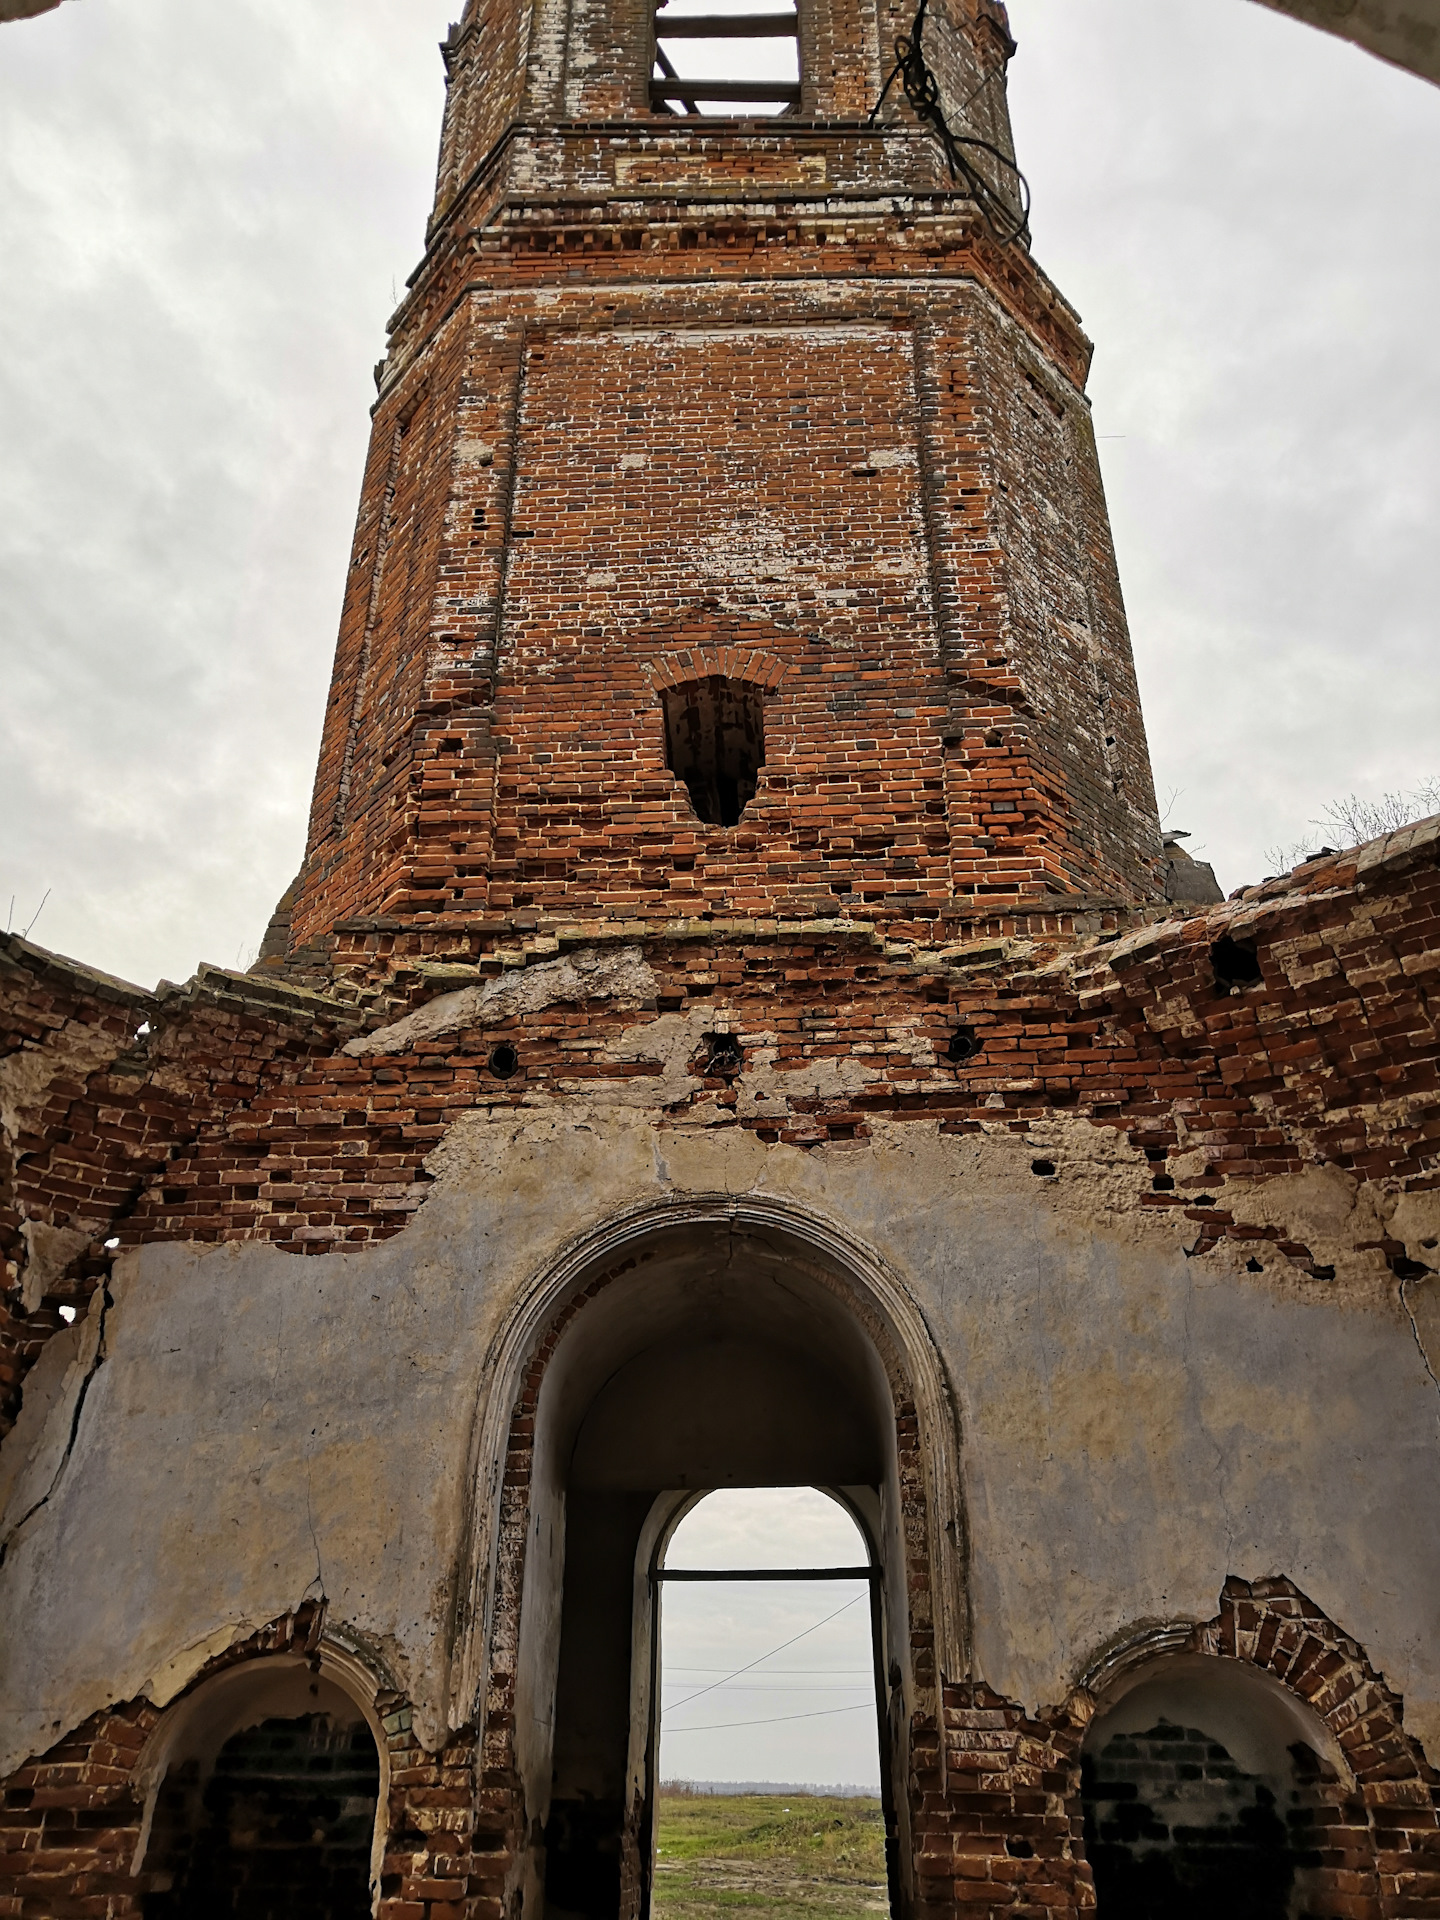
x: 1350, y: 822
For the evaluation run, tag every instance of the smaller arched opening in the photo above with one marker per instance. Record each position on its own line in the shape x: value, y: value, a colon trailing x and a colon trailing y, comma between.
x: 1209, y: 1789
x: 715, y: 744
x: 265, y: 1789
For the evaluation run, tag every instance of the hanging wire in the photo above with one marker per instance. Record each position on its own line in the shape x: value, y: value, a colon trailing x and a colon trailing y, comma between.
x: 922, y: 90
x: 724, y: 1726
x: 675, y: 1705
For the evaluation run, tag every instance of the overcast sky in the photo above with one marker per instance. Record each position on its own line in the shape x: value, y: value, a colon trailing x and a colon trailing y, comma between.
x: 762, y: 1682
x: 205, y: 210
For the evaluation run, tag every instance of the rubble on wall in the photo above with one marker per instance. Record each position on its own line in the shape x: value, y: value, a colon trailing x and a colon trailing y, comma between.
x: 240, y: 1108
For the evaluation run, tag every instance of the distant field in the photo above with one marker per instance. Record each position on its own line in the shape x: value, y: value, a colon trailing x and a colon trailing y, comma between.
x: 788, y: 1857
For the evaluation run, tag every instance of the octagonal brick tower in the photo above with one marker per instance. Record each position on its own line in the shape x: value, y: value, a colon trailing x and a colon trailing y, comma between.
x: 701, y: 435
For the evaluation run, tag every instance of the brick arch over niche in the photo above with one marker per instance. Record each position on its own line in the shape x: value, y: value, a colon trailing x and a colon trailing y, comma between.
x: 564, y: 1354
x: 713, y: 701
x: 1373, y: 1843
x: 730, y: 659
x: 78, y: 1819
x: 268, y: 1783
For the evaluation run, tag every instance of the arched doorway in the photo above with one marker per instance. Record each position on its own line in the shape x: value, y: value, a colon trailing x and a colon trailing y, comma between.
x: 1209, y: 1788
x: 265, y: 1788
x: 713, y: 1354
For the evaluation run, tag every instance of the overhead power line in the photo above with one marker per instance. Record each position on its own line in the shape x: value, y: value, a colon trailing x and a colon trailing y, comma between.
x: 825, y: 1713
x: 701, y: 1692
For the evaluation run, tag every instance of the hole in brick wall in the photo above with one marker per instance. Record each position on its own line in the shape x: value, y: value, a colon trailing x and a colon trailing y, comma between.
x: 715, y: 744
x: 1162, y: 1183
x: 1235, y: 964
x: 724, y: 1056
x: 964, y: 1045
x: 1253, y: 1266
x: 1405, y: 1269
x: 67, y: 1314
x: 504, y: 1061
x: 1019, y: 1849
x: 1045, y: 1168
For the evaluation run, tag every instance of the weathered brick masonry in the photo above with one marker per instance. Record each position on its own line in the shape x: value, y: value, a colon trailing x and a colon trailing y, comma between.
x: 678, y: 404
x: 237, y: 1116
x: 234, y: 1117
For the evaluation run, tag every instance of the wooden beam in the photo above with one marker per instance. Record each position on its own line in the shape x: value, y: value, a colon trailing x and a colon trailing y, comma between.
x: 662, y: 61
x: 727, y: 26
x: 768, y: 1573
x: 784, y: 93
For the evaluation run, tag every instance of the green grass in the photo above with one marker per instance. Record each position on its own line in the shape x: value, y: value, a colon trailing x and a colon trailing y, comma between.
x: 792, y: 1857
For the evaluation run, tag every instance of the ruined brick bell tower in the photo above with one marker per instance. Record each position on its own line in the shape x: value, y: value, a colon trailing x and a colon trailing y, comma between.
x: 704, y: 440
x: 729, y: 1030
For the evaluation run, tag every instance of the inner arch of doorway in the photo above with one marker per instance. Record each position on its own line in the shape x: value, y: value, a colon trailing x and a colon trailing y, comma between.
x: 656, y: 1539
x: 874, y: 1295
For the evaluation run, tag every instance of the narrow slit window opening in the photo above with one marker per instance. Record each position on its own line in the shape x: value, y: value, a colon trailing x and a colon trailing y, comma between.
x: 715, y: 744
x: 726, y: 57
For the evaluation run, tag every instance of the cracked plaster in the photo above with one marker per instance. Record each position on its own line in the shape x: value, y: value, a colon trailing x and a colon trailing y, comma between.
x: 48, y: 1253
x: 1136, y: 1425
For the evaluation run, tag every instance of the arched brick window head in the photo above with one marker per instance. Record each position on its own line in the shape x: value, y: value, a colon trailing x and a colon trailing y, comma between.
x: 715, y: 743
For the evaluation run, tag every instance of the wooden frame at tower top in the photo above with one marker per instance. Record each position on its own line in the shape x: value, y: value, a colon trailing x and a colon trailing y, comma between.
x: 686, y: 94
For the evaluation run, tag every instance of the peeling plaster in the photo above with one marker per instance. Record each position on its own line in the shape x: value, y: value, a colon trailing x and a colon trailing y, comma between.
x: 48, y: 1253
x: 39, y: 1449
x: 622, y: 976
x: 1324, y: 1209
x: 1135, y: 1425
x: 27, y: 1075
x: 1420, y: 1299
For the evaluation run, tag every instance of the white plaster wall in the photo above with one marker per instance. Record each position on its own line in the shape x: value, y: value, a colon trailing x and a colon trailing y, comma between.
x: 1136, y: 1425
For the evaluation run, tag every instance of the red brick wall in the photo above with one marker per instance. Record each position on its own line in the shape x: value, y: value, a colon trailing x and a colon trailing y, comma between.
x: 516, y: 61
x: 994, y: 1794
x: 904, y: 516
x: 841, y: 457
x: 70, y: 1820
x: 227, y: 1120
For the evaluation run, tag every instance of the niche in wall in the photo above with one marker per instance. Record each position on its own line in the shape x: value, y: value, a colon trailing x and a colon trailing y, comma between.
x: 1208, y: 1791
x: 267, y: 1807
x: 715, y: 743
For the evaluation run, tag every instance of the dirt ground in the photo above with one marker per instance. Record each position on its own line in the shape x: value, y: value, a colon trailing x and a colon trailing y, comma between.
x: 791, y: 1857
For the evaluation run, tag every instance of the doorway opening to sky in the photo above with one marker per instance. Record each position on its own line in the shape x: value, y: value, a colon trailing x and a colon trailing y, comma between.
x: 771, y: 1704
